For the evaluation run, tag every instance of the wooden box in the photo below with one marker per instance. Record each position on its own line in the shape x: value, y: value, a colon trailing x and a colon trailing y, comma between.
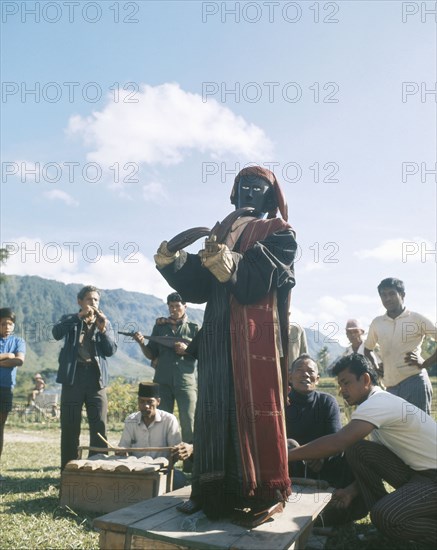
x: 105, y: 483
x: 102, y: 492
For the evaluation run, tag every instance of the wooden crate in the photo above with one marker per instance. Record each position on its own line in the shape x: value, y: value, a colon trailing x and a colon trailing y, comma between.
x: 157, y: 525
x: 98, y: 485
x: 104, y: 492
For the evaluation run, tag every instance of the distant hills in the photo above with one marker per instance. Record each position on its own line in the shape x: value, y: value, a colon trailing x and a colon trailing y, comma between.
x: 39, y: 303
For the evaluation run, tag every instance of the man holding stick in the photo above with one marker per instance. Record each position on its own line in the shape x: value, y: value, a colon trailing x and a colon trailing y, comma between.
x: 174, y: 368
x: 153, y: 427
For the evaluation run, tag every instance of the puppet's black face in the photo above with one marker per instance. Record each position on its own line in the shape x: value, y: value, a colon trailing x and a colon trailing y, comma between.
x: 255, y: 192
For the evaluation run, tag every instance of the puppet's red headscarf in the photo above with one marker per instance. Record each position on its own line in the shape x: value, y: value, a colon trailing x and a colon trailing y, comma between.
x: 270, y: 177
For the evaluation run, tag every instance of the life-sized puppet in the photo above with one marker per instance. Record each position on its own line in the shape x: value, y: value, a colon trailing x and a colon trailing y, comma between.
x: 240, y: 445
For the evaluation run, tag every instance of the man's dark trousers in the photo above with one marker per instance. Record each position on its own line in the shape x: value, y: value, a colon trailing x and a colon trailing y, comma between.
x: 409, y: 512
x: 85, y: 390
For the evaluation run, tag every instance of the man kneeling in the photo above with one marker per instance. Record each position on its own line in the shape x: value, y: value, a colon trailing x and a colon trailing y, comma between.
x: 402, y: 452
x: 152, y: 427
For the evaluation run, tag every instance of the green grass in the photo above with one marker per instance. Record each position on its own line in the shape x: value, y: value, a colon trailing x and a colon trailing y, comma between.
x: 30, y: 514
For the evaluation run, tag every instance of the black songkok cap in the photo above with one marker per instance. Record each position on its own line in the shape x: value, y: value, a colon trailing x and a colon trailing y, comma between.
x: 148, y: 389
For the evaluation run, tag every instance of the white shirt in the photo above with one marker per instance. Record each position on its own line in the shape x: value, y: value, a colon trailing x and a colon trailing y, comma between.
x: 350, y: 350
x: 401, y: 427
x: 164, y: 431
x: 396, y: 337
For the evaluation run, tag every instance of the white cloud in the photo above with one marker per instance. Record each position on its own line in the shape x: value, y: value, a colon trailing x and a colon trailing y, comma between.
x: 165, y: 125
x: 57, y: 194
x: 361, y: 299
x: 32, y: 256
x: 331, y: 313
x: 405, y: 250
x: 313, y: 266
x: 335, y: 307
x: 153, y: 192
x: 65, y: 263
x: 137, y: 277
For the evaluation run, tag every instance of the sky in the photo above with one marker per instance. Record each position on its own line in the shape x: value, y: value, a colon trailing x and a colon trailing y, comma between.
x: 124, y: 123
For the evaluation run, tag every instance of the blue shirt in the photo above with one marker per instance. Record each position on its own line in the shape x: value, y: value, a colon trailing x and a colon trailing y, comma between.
x: 11, y: 344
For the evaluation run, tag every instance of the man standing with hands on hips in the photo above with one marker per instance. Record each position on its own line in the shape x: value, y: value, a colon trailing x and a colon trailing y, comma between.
x: 83, y: 372
x: 400, y: 334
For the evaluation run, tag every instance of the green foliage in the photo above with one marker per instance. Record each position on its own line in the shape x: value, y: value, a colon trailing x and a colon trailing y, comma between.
x: 428, y: 348
x: 4, y: 254
x: 122, y: 399
x: 318, y: 340
x: 323, y: 359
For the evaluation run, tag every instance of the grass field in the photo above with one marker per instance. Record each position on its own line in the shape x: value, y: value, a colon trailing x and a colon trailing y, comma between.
x: 30, y: 515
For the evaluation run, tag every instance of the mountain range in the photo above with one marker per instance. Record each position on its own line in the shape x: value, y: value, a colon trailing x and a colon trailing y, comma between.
x: 39, y: 303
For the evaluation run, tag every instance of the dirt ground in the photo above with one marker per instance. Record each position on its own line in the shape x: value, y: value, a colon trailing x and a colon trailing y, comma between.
x: 18, y: 436
x: 21, y: 435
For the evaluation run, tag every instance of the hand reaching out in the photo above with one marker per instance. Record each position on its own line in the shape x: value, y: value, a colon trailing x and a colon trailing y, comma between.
x: 342, y: 498
x: 182, y: 451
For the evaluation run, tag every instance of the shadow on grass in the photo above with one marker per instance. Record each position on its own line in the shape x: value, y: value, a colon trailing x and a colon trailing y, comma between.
x: 28, y: 485
x: 49, y: 505
x: 43, y: 469
x: 35, y: 506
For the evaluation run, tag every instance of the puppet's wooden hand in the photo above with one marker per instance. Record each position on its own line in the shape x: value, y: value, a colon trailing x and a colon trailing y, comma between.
x: 219, y: 261
x: 163, y: 256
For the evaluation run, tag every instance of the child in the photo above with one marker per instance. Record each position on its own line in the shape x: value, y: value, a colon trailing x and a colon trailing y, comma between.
x: 37, y: 390
x: 12, y: 353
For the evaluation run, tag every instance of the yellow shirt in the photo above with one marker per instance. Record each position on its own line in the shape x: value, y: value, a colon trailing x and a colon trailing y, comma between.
x: 396, y: 337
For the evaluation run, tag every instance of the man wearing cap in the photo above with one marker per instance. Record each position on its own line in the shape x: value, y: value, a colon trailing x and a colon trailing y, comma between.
x: 400, y: 333
x: 240, y: 459
x: 174, y: 368
x: 354, y: 333
x: 153, y: 427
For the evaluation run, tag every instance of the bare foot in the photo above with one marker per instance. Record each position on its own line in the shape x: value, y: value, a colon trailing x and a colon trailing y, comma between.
x: 188, y: 507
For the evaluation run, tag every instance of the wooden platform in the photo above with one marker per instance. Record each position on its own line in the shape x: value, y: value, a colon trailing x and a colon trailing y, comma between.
x: 156, y: 525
